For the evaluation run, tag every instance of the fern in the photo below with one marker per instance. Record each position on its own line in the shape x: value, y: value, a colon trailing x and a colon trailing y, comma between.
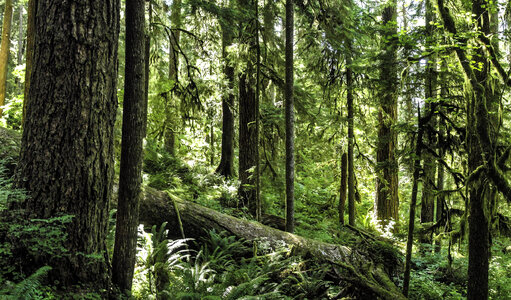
x: 28, y: 288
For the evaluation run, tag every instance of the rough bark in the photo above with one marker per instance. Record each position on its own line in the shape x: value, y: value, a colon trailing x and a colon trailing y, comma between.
x: 31, y: 12
x: 290, y: 119
x: 66, y: 160
x: 354, y: 266
x: 248, y: 146
x: 133, y: 125
x: 387, y: 201
x: 342, y: 188
x: 4, y: 50
x: 225, y: 168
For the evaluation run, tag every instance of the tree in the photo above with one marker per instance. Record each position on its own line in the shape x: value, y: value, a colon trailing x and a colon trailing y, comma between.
x: 133, y: 133
x: 290, y: 120
x: 4, y: 50
x: 428, y: 190
x: 66, y: 160
x: 248, y: 146
x: 225, y: 168
x: 174, y: 37
x: 387, y: 200
x: 351, y: 137
x: 30, y: 51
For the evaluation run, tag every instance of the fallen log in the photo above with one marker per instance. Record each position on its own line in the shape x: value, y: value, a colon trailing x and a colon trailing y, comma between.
x: 355, y: 269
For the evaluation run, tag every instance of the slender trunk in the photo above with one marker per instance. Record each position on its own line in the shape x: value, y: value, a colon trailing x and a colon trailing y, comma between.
x: 413, y: 203
x: 258, y: 122
x: 342, y: 189
x: 32, y: 4
x: 4, y: 51
x: 351, y: 139
x: 290, y: 119
x: 21, y: 49
x: 428, y: 191
x: 133, y: 123
x: 225, y: 168
x: 171, y: 110
x: 387, y: 200
x: 66, y: 160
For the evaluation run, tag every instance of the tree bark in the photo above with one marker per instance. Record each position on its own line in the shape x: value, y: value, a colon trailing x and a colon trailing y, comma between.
x: 225, y: 168
x: 133, y: 125
x: 66, y: 161
x: 342, y: 189
x: 31, y: 12
x: 4, y: 51
x: 290, y: 120
x: 248, y: 146
x: 387, y: 200
x: 355, y: 267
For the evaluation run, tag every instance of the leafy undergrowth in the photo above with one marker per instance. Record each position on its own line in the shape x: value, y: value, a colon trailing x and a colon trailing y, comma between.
x: 221, y: 267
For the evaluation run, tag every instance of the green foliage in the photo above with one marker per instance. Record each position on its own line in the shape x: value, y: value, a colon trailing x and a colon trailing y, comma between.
x: 29, y: 288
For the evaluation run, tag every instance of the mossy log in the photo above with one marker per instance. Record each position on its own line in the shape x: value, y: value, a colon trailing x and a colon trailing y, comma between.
x: 354, y: 269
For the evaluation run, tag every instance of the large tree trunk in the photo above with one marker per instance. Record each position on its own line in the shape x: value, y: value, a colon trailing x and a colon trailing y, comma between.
x: 225, y: 168
x: 66, y: 161
x: 387, y: 200
x: 351, y: 136
x: 290, y: 120
x: 248, y: 146
x: 4, y: 51
x: 355, y: 267
x: 133, y: 126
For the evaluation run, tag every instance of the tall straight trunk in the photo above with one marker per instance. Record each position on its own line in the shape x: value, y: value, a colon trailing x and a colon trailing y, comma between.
x: 342, y: 189
x: 4, y: 51
x: 31, y: 12
x: 66, y: 160
x: 171, y: 110
x: 428, y: 191
x: 351, y: 138
x: 387, y: 201
x: 133, y: 125
x: 290, y: 120
x: 21, y: 49
x: 258, y: 211
x: 413, y: 204
x: 225, y: 168
x: 248, y: 146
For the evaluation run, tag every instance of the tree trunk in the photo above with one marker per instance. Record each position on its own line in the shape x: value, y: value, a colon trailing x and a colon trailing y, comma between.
x: 351, y: 138
x: 413, y: 204
x: 225, y: 168
x: 387, y: 201
x: 342, y: 189
x: 171, y: 109
x: 248, y: 146
x: 21, y: 49
x: 4, y: 51
x: 133, y: 124
x: 355, y: 267
x: 31, y: 13
x: 428, y: 190
x: 290, y: 120
x: 66, y: 160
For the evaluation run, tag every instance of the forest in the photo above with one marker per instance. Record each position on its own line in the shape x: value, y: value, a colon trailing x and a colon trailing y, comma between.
x: 255, y: 149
